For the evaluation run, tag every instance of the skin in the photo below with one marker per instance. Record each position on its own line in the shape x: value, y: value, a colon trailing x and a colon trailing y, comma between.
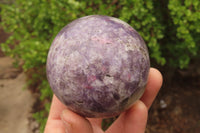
x: 62, y: 120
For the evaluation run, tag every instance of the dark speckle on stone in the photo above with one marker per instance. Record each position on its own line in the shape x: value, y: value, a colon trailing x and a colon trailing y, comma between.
x: 124, y: 102
x: 99, y: 77
x: 96, y: 107
x: 116, y: 96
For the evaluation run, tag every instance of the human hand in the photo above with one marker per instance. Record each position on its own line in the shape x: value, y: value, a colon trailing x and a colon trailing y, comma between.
x: 62, y: 120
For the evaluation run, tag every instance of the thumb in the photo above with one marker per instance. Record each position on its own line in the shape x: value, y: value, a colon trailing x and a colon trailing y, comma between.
x: 74, y: 123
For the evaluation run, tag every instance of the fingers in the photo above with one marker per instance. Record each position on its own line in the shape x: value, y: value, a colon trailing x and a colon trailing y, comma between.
x: 136, y: 118
x: 56, y: 109
x: 96, y: 122
x: 132, y: 121
x: 153, y: 86
x: 75, y: 123
x: 62, y: 120
x: 55, y: 126
x: 54, y: 123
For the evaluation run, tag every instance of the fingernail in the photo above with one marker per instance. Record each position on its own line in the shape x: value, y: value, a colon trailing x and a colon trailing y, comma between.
x: 64, y: 117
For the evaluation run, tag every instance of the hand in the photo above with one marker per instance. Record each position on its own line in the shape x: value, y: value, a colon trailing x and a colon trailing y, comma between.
x: 62, y: 120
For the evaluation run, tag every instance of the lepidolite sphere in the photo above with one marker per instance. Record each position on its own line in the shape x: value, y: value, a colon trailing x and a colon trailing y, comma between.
x: 98, y: 66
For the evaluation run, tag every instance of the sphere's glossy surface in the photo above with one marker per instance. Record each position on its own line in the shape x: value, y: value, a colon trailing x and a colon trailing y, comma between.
x: 98, y: 66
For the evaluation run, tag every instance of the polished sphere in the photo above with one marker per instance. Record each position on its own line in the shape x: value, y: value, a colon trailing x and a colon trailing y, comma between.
x: 98, y: 66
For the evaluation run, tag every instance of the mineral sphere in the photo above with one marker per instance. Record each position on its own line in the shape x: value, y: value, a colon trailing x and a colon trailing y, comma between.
x: 98, y: 66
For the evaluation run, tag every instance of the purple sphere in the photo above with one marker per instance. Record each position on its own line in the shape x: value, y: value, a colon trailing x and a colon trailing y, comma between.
x: 98, y: 66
